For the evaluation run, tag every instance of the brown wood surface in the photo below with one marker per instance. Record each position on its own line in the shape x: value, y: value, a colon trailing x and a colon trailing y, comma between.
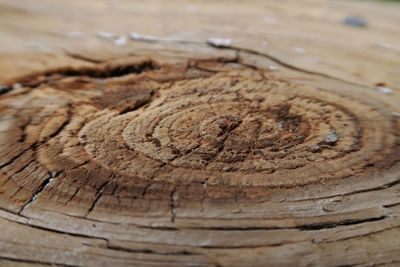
x: 281, y: 148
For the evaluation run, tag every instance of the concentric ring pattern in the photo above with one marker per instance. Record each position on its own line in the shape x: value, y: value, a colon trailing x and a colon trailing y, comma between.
x: 151, y: 133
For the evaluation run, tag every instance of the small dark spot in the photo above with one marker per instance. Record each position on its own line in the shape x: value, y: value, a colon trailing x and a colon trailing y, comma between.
x: 228, y: 122
x: 174, y: 150
x: 369, y: 164
x: 381, y: 84
x: 156, y: 142
x: 356, y: 21
x: 338, y: 116
x: 4, y: 89
x: 259, y: 99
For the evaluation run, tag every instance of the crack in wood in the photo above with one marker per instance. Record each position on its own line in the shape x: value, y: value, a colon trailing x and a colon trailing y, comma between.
x: 36, y: 193
x: 233, y: 207
x: 98, y: 195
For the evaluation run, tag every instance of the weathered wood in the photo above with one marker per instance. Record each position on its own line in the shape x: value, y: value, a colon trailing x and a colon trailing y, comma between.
x: 281, y: 148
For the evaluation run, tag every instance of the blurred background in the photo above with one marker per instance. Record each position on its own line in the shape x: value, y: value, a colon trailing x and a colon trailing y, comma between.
x: 357, y: 41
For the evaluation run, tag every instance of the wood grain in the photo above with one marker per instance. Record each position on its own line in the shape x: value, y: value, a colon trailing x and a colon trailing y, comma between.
x: 281, y: 148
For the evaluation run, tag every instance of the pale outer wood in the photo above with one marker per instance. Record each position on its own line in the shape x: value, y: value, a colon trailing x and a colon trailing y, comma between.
x: 349, y: 223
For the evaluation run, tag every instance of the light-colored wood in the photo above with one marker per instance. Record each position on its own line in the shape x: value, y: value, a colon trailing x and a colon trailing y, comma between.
x: 281, y: 148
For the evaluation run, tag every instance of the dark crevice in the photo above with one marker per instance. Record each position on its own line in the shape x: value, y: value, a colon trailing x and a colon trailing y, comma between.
x: 40, y: 189
x: 137, y: 105
x: 12, y: 212
x: 99, y: 193
x: 51, y: 230
x: 150, y: 251
x: 391, y: 205
x: 163, y: 228
x: 23, y: 128
x: 73, y: 195
x: 381, y: 187
x: 303, y: 227
x: 5, y: 89
x: 196, y: 63
x: 141, y: 103
x: 105, y: 69
x: 84, y: 58
x: 53, y: 264
x: 16, y: 157
x: 64, y: 124
x: 227, y: 125
x: 101, y: 71
x: 108, y: 71
x: 377, y: 188
x: 146, y: 188
x: 23, y: 167
x: 320, y: 226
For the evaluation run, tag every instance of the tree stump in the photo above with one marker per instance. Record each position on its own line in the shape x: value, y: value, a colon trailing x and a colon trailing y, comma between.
x: 178, y: 151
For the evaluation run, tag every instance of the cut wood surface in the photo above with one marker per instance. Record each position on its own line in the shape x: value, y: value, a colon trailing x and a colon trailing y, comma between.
x: 128, y: 137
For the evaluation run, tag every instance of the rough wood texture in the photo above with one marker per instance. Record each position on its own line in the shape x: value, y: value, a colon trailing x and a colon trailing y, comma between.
x: 281, y: 149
